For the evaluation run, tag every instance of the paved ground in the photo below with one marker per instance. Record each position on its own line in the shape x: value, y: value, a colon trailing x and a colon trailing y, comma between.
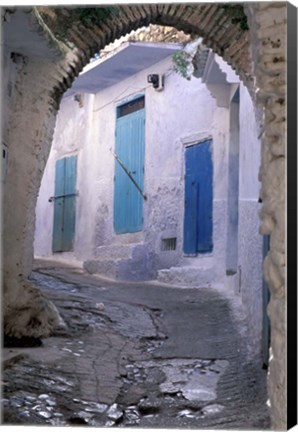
x: 133, y: 354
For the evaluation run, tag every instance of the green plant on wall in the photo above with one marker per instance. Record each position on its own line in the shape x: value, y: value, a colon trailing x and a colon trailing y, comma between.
x: 87, y: 16
x: 96, y: 15
x: 237, y: 15
x: 182, y: 62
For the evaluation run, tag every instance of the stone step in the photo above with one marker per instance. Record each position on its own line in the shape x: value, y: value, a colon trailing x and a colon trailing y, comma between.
x: 188, y: 276
x: 106, y: 268
x: 202, y: 262
x: 115, y: 251
x: 133, y: 265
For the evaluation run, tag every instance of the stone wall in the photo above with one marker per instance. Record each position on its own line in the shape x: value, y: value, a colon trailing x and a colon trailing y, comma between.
x: 157, y: 33
x: 25, y: 135
x: 267, y: 22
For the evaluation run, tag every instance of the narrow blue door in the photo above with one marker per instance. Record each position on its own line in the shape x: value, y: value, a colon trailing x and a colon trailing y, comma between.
x: 64, y: 204
x: 129, y: 147
x: 198, y: 199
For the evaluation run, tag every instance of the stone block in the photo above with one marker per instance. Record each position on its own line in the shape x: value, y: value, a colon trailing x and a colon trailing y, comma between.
x: 270, y: 18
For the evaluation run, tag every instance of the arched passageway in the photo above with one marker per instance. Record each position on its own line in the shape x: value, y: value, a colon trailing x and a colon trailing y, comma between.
x: 65, y: 40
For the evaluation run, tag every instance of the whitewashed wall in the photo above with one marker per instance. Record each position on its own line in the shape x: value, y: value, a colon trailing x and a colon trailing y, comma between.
x: 71, y: 137
x: 182, y: 112
x: 250, y: 242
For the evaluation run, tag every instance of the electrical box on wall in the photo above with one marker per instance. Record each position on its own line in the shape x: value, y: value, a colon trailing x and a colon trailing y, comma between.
x: 4, y: 162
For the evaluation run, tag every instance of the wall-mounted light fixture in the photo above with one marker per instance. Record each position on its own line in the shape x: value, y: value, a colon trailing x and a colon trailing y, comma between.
x: 157, y: 81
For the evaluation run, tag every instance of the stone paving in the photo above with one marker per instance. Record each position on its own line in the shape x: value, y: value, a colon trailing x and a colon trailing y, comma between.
x: 135, y: 355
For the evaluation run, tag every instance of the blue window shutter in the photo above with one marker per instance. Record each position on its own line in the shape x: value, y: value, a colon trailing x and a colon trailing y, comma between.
x: 70, y: 202
x: 58, y: 206
x: 64, y: 204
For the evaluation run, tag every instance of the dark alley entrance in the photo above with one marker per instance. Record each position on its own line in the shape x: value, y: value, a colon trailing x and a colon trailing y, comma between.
x: 126, y: 355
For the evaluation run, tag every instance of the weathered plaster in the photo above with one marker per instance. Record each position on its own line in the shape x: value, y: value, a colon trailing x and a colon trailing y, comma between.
x: 23, y: 175
x: 250, y: 241
x: 164, y: 167
x: 72, y: 136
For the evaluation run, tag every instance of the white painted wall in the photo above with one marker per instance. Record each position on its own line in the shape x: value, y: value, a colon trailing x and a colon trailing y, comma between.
x: 71, y: 137
x: 250, y: 242
x: 183, y: 111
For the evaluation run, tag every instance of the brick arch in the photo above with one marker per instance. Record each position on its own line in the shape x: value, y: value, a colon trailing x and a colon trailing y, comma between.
x: 213, y: 22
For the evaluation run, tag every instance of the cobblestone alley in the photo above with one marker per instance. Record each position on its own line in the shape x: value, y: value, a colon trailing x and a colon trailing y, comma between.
x: 135, y: 354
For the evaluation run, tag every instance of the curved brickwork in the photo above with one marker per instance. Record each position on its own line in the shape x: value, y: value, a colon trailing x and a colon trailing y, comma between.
x: 210, y: 21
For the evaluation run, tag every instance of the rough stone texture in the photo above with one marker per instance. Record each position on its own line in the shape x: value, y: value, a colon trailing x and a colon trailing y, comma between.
x: 20, y: 193
x: 156, y: 33
x: 45, y: 82
x: 210, y: 21
x: 30, y: 119
x: 267, y: 22
x: 136, y: 361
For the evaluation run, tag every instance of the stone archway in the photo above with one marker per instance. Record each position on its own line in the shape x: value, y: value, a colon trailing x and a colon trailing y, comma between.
x: 72, y: 36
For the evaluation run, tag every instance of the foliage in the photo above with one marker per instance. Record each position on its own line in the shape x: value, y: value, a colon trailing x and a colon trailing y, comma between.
x: 237, y: 15
x: 182, y: 62
x: 96, y: 15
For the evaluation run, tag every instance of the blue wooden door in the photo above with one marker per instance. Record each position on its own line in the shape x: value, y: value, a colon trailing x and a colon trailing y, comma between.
x: 65, y: 204
x: 198, y: 199
x: 130, y: 147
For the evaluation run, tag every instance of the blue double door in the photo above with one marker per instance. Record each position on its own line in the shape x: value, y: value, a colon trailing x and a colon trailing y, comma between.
x: 198, y: 224
x: 129, y: 149
x: 64, y: 204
